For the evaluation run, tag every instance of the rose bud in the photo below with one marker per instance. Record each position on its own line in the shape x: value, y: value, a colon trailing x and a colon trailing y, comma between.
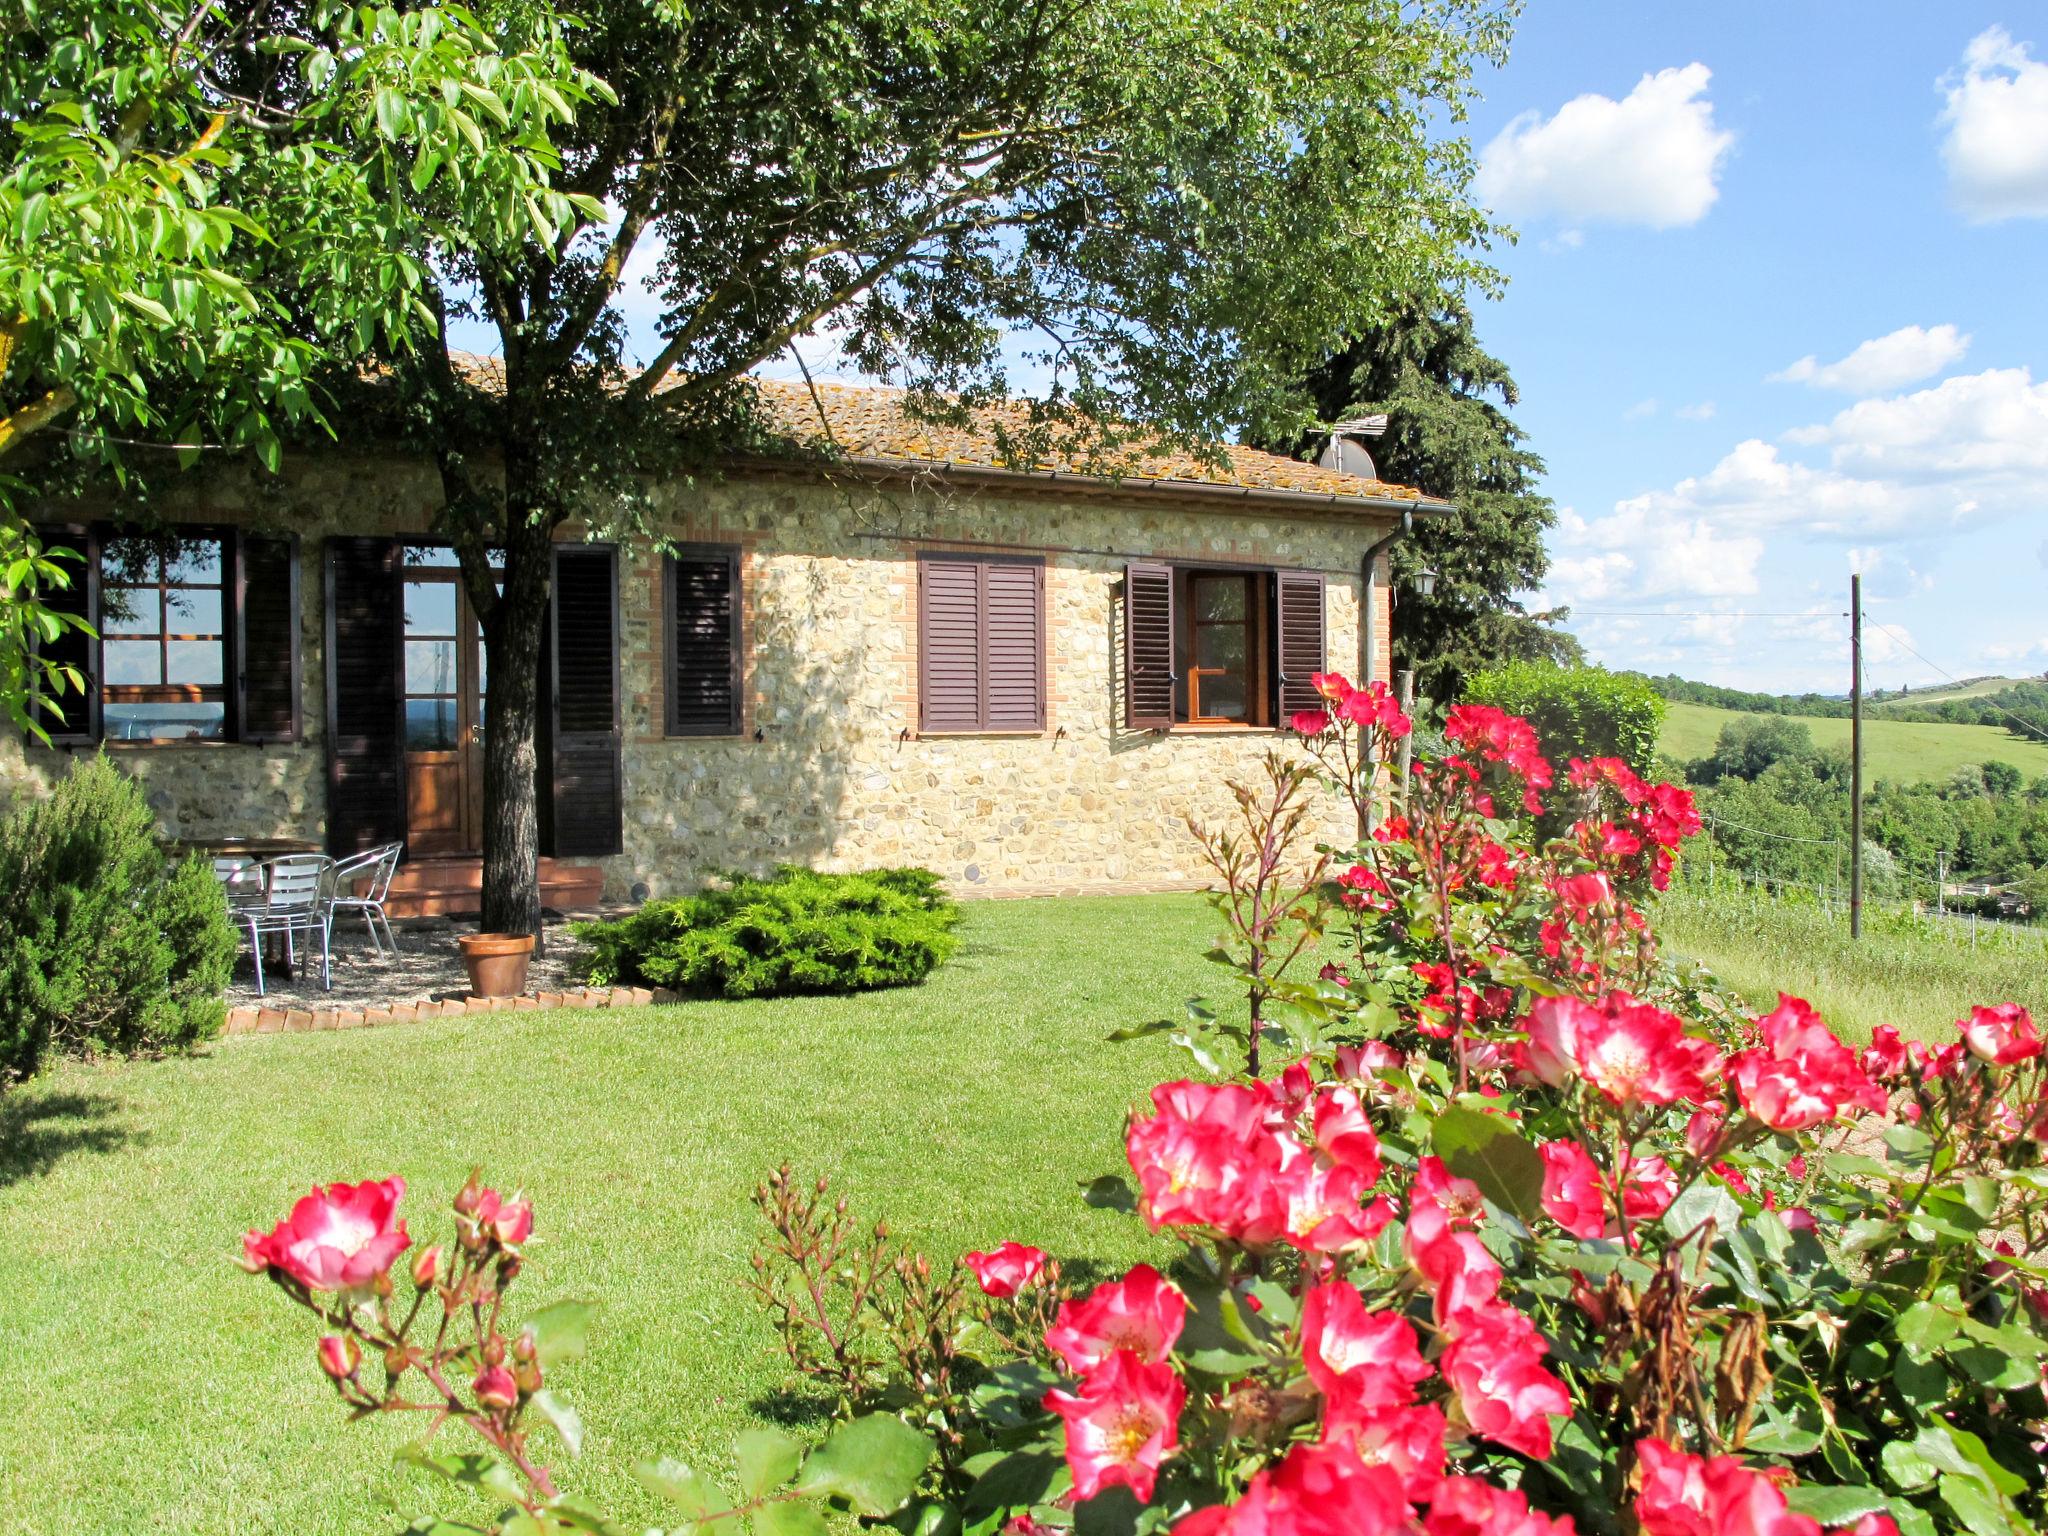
x: 470, y: 1196
x: 523, y: 1347
x: 397, y: 1361
x: 526, y: 1375
x: 513, y: 1223
x: 495, y: 1388
x: 426, y: 1266
x: 494, y: 1350
x: 339, y: 1356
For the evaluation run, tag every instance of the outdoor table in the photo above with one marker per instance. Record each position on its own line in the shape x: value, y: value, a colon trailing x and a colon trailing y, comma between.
x: 237, y: 888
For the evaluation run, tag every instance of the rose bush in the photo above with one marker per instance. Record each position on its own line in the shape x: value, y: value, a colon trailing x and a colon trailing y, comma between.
x: 1532, y: 1232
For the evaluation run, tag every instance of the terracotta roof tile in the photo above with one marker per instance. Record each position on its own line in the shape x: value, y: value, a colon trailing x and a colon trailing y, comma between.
x: 869, y: 423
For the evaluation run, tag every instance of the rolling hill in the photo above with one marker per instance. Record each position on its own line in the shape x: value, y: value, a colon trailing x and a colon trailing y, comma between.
x: 1893, y: 749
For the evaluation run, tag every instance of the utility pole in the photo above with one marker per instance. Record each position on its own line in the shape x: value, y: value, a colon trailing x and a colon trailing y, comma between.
x: 1856, y: 755
x: 1940, y: 881
x: 1404, y: 693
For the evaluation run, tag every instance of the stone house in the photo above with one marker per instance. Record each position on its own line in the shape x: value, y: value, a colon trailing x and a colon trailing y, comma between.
x: 903, y: 653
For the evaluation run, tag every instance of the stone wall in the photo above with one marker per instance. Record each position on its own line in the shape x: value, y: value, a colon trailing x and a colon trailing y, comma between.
x: 829, y: 768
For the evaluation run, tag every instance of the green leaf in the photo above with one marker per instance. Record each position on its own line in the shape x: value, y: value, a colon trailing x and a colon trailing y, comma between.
x: 1111, y: 1192
x: 473, y: 1469
x: 670, y: 1480
x: 1905, y: 1466
x: 560, y: 1331
x: 1925, y: 1327
x: 1490, y: 1152
x: 873, y: 1463
x: 1836, y: 1506
x: 767, y: 1459
x: 789, y: 1517
x: 567, y: 1422
x: 1976, y: 1507
x: 1705, y: 1202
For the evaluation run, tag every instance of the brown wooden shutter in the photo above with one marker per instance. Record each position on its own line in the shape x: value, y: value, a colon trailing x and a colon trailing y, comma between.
x: 701, y: 592
x: 266, y: 638
x: 585, y: 744
x: 1301, y: 639
x: 1148, y: 646
x: 1013, y: 645
x: 365, y: 745
x: 75, y: 647
x: 950, y: 691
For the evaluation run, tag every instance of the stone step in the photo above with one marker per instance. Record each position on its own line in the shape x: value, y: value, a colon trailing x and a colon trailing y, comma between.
x: 452, y: 887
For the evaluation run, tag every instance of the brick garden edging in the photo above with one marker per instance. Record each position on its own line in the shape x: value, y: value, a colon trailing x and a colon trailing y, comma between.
x: 250, y: 1019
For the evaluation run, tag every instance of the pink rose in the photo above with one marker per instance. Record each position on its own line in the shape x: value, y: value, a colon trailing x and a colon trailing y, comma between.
x: 339, y: 1356
x: 1120, y: 1424
x: 340, y: 1238
x: 1572, y: 1192
x: 1008, y: 1269
x: 2002, y: 1035
x: 495, y: 1388
x: 1361, y: 1359
x: 1143, y: 1313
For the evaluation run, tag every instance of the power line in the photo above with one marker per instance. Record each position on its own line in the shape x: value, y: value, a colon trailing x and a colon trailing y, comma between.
x: 1783, y: 837
x: 2020, y: 720
x: 1703, y: 613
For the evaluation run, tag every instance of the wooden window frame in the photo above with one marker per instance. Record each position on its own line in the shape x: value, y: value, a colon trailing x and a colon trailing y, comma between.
x: 163, y: 691
x: 982, y: 564
x: 671, y: 659
x: 1262, y: 643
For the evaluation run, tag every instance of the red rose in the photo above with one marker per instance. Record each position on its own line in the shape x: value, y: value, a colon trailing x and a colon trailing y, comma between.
x: 340, y: 1238
x: 1143, y: 1313
x: 1120, y: 1424
x: 2001, y: 1035
x: 495, y: 1388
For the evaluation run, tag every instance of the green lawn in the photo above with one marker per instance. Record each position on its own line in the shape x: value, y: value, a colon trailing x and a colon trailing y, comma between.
x: 1893, y: 749
x: 152, y: 1386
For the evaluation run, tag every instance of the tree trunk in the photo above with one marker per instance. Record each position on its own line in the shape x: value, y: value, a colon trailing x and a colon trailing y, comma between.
x: 513, y: 636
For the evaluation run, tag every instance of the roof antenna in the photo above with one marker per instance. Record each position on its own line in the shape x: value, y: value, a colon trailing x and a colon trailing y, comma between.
x: 1345, y: 453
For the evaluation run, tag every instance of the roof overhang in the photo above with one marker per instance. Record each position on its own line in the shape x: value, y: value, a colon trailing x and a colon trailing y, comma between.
x: 1207, y: 493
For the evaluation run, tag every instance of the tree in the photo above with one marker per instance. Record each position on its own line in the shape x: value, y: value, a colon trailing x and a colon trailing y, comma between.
x: 1751, y: 744
x: 1583, y: 712
x: 179, y: 252
x: 1449, y: 432
x: 2002, y: 779
x: 1185, y: 202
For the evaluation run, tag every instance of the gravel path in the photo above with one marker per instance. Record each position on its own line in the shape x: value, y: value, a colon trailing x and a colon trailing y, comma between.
x: 427, y: 965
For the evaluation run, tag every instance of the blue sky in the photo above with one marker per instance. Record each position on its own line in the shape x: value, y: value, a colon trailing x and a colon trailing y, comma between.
x: 1778, y: 308
x: 1707, y: 196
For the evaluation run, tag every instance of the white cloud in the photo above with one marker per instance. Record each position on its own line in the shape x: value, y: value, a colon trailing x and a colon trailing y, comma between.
x: 1640, y: 410
x: 1701, y: 411
x: 2017, y: 650
x: 1996, y: 150
x: 1653, y: 158
x: 1905, y: 356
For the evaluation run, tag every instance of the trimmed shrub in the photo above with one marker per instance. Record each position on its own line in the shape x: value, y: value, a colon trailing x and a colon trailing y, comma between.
x: 107, y: 946
x: 1582, y: 712
x: 796, y: 931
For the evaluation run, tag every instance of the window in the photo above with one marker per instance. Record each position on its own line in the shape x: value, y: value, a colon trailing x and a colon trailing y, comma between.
x: 164, y: 634
x: 701, y: 596
x: 980, y: 643
x: 198, y: 636
x: 1209, y: 646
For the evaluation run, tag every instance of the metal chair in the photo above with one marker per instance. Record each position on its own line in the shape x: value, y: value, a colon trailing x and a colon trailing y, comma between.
x: 298, y: 897
x: 241, y: 877
x: 379, y: 864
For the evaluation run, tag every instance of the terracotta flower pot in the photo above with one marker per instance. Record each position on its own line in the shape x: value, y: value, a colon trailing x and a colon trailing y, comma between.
x: 496, y: 962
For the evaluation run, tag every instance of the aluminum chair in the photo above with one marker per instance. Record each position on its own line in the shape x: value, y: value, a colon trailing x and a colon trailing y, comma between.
x: 379, y: 864
x: 298, y: 896
x: 240, y: 876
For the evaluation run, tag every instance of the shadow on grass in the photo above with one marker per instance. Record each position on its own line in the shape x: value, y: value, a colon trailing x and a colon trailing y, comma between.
x: 36, y: 1133
x: 793, y: 1408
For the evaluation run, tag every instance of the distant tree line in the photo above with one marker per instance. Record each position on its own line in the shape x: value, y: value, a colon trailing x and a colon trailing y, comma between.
x: 1778, y: 807
x: 2021, y: 708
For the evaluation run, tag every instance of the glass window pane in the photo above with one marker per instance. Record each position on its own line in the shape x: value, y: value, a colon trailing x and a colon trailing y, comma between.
x: 430, y: 666
x: 430, y: 557
x: 127, y: 560
x: 1220, y: 645
x: 194, y: 661
x: 192, y: 612
x: 1223, y: 697
x: 164, y: 722
x: 130, y: 611
x: 429, y: 725
x: 1219, y: 599
x: 430, y: 607
x: 193, y: 560
x: 133, y: 661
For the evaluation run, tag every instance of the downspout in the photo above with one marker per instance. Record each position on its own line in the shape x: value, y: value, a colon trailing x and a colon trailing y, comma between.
x: 1368, y: 622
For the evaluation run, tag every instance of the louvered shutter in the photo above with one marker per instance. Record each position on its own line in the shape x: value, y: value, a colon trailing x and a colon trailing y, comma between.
x: 950, y: 689
x: 365, y: 745
x: 266, y: 631
x: 1148, y: 647
x: 1013, y: 645
x: 584, y: 739
x: 1301, y: 639
x: 702, y: 594
x: 75, y: 647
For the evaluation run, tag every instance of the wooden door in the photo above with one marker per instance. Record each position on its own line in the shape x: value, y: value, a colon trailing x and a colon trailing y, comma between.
x: 441, y: 678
